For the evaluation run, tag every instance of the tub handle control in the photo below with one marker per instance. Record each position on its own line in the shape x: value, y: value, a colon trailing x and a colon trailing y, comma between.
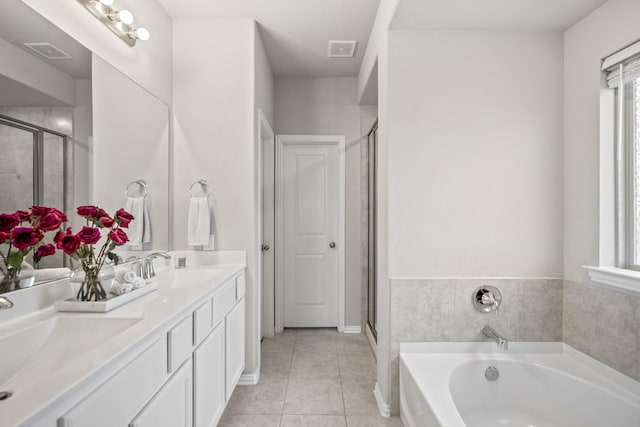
x: 487, y: 298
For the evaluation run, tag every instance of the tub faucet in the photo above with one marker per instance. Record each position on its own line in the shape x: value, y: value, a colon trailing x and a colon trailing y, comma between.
x: 5, y: 303
x: 491, y: 333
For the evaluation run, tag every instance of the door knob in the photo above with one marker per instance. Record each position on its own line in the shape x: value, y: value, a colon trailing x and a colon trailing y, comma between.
x: 332, y: 245
x: 265, y: 248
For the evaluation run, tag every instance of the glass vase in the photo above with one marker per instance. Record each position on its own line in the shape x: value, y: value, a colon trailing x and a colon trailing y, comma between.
x: 16, y: 278
x: 92, y: 281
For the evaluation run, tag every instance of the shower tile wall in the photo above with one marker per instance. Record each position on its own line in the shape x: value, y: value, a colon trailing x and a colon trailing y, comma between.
x: 441, y: 310
x: 16, y: 168
x: 605, y: 324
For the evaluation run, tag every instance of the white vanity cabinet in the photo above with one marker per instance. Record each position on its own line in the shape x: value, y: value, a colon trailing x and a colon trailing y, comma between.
x: 172, y: 406
x: 183, y: 379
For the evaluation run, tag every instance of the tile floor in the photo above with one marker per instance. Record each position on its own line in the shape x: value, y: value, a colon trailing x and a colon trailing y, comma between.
x: 310, y: 378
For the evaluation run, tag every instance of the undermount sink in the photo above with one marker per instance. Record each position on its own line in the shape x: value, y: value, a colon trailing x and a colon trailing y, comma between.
x: 194, y: 276
x: 52, y: 344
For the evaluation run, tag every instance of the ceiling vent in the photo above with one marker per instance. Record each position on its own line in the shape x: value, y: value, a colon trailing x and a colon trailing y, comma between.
x: 47, y: 50
x: 342, y: 49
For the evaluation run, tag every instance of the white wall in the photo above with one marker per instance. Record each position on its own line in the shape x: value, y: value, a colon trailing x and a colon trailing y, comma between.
x: 475, y: 154
x: 606, y: 30
x: 82, y: 148
x: 214, y: 103
x: 148, y: 64
x: 329, y: 106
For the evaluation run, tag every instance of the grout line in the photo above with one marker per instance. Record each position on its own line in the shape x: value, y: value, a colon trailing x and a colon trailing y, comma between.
x: 286, y: 388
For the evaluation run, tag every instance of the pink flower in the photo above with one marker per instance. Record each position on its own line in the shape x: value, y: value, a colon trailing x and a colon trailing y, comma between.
x: 106, y: 221
x: 89, y: 235
x: 8, y: 221
x: 87, y: 211
x: 4, y: 236
x: 40, y: 210
x: 45, y: 250
x: 51, y: 221
x: 118, y: 236
x: 25, y: 237
x: 124, y: 218
x: 67, y: 241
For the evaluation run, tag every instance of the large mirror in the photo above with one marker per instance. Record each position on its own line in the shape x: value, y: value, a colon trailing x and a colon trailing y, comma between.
x: 75, y: 131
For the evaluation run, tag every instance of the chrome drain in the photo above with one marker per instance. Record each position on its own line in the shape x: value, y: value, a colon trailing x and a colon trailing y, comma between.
x: 492, y: 373
x: 4, y: 395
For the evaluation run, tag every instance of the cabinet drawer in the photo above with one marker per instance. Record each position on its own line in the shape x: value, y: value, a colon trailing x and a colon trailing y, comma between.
x: 179, y: 343
x: 201, y: 322
x: 117, y: 401
x: 240, y: 287
x: 223, y: 301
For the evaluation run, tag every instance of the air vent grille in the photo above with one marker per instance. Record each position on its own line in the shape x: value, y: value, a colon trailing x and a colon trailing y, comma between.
x: 47, y: 50
x: 342, y: 49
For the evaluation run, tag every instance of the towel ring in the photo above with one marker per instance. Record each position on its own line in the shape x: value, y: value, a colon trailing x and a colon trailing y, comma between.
x: 203, y: 185
x: 141, y: 183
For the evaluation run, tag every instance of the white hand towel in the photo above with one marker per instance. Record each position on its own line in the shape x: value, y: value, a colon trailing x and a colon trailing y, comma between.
x: 198, y: 222
x: 139, y: 283
x: 129, y: 277
x: 146, y: 230
x: 118, y: 288
x: 136, y: 207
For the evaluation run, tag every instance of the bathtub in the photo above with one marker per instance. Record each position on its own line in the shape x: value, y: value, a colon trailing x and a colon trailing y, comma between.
x: 539, y: 385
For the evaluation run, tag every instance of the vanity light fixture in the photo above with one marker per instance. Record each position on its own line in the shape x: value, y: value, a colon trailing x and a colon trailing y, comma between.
x: 118, y: 21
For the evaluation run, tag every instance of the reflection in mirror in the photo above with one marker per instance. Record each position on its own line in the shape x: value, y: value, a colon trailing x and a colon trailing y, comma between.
x: 58, y: 151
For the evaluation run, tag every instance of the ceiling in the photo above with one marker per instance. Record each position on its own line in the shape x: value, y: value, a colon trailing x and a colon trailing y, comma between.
x: 21, y: 24
x: 541, y: 15
x: 295, y: 32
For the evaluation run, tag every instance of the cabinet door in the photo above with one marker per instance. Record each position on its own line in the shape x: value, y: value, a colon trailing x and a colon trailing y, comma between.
x: 208, y: 379
x: 172, y: 406
x: 234, y: 346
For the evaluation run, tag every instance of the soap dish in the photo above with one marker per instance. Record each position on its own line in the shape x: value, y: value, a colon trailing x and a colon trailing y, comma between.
x: 112, y: 301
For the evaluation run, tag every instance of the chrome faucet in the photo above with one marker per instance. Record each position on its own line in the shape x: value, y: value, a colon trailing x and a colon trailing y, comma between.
x: 147, y: 270
x: 5, y: 303
x: 491, y: 333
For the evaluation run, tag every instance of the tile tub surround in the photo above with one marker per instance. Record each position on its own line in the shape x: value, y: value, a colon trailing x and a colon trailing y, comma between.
x: 310, y: 377
x: 440, y: 309
x: 605, y: 324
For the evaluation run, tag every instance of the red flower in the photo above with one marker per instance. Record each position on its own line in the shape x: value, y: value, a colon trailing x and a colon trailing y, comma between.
x: 67, y: 241
x: 124, y: 218
x: 89, y: 235
x: 87, y: 211
x: 106, y: 221
x: 25, y: 237
x: 8, y: 221
x: 118, y: 236
x: 40, y: 210
x: 45, y: 250
x: 51, y: 220
x: 23, y: 215
x: 4, y: 236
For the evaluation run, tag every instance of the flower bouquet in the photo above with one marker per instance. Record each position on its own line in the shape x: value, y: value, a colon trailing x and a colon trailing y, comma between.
x: 82, y: 247
x: 22, y: 233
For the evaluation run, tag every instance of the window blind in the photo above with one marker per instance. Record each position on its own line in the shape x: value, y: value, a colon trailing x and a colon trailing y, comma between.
x: 629, y: 58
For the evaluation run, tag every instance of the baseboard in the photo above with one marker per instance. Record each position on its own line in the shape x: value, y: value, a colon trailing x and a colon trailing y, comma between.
x: 383, y: 407
x: 353, y: 329
x: 372, y: 341
x: 249, y: 379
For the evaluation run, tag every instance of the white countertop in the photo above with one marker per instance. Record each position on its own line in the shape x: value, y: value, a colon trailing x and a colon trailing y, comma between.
x: 38, y: 387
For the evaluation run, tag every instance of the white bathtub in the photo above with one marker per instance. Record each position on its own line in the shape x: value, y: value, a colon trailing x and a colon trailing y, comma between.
x: 540, y: 385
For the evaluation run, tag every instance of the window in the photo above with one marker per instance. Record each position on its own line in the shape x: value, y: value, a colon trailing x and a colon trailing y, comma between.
x: 623, y: 75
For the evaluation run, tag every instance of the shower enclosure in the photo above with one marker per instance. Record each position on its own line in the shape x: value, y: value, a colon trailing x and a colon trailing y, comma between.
x: 33, y: 170
x: 372, y: 286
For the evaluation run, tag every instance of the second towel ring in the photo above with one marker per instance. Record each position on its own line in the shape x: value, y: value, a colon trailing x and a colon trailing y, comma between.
x: 142, y: 183
x: 204, y: 187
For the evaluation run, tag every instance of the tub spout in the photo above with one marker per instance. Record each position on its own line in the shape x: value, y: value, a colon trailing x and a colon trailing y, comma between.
x: 492, y: 334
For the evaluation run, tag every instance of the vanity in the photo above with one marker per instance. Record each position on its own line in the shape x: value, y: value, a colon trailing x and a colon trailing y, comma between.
x: 170, y: 358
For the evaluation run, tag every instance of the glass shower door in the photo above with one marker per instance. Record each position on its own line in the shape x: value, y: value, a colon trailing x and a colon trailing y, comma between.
x: 18, y: 145
x: 371, y: 224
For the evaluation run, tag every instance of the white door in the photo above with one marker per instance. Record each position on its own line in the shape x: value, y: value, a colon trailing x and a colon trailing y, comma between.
x: 311, y: 195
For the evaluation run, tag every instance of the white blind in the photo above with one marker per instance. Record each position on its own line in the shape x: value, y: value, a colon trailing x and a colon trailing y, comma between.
x: 629, y: 58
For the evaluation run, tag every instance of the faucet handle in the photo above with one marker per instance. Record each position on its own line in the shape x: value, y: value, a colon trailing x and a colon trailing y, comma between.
x: 486, y: 299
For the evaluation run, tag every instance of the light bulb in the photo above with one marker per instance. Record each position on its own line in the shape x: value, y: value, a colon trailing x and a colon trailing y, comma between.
x: 125, y: 17
x: 142, y: 34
